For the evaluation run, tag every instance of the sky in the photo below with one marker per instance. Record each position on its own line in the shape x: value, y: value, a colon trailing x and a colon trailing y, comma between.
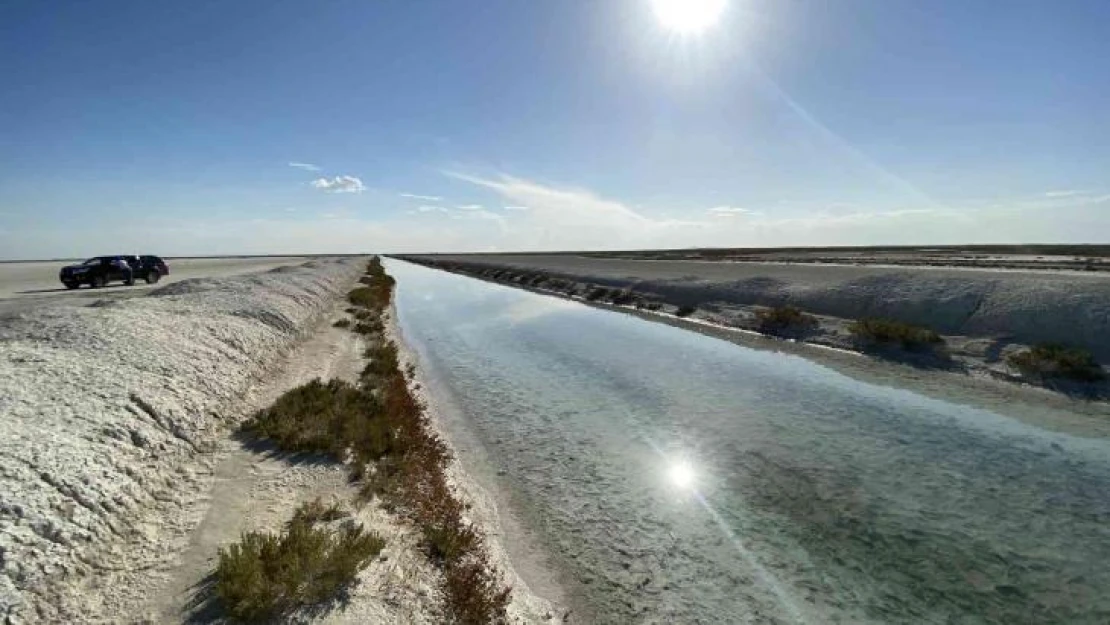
x: 255, y: 127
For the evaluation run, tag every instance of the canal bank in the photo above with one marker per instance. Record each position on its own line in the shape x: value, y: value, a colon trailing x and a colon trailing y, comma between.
x: 813, y: 496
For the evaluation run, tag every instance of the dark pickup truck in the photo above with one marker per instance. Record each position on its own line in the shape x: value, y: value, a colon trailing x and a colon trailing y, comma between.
x: 100, y: 270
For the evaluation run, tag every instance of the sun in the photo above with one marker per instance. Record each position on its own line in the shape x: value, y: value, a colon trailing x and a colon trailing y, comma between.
x: 688, y: 17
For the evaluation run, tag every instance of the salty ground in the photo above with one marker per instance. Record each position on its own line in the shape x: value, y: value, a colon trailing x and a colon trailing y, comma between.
x: 122, y: 475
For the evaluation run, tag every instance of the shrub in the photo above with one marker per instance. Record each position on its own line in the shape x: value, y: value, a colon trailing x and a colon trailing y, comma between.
x: 624, y: 298
x: 383, y: 360
x: 265, y: 576
x: 314, y: 418
x: 394, y: 453
x: 785, y: 321
x: 597, y: 293
x: 369, y: 327
x: 1057, y: 361
x: 476, y: 594
x: 685, y: 311
x: 342, y: 323
x: 891, y: 332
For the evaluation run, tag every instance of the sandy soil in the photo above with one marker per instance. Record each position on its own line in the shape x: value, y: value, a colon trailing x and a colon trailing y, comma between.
x: 255, y: 489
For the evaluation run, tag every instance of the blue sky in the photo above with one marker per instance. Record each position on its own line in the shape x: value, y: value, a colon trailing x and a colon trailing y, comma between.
x: 267, y: 127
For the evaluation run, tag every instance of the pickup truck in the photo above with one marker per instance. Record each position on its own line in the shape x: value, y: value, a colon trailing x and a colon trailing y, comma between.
x: 100, y: 270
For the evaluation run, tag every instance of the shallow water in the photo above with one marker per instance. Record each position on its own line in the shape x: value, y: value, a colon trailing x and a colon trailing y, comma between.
x: 676, y: 478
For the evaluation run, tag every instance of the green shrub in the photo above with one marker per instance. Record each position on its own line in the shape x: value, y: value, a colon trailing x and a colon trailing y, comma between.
x: 597, y: 293
x: 785, y: 321
x: 363, y: 314
x: 685, y: 311
x: 265, y: 576
x: 1057, y: 361
x: 383, y: 360
x: 314, y: 418
x: 890, y: 332
x: 342, y: 323
x: 369, y: 327
x: 624, y: 298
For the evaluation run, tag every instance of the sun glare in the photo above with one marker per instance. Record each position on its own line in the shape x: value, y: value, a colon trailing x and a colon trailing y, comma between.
x: 681, y: 474
x: 688, y: 16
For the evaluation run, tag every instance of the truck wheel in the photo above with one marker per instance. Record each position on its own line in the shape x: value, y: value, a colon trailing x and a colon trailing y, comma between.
x: 153, y: 276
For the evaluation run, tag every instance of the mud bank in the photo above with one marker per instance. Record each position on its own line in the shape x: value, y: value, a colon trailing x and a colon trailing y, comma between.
x: 105, y: 410
x: 984, y: 316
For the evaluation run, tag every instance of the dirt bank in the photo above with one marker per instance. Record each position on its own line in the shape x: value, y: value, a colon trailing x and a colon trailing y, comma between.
x: 108, y: 414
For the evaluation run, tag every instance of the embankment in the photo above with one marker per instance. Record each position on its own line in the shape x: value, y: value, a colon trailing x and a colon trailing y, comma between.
x: 104, y: 411
x: 987, y: 313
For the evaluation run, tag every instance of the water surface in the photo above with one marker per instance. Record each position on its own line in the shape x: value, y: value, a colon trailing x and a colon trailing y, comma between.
x: 677, y: 478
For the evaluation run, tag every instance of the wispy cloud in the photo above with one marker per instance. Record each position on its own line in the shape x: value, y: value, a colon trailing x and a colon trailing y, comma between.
x: 728, y: 211
x: 470, y: 207
x: 516, y: 208
x: 426, y: 198
x: 339, y: 184
x: 432, y: 209
x: 304, y: 166
x: 1064, y: 193
x: 564, y: 217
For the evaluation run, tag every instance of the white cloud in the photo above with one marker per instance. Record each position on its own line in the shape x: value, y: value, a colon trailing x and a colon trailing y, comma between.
x: 431, y: 209
x: 304, y: 166
x: 470, y: 207
x: 426, y: 198
x: 339, y: 184
x: 516, y: 208
x: 1064, y: 193
x: 728, y: 211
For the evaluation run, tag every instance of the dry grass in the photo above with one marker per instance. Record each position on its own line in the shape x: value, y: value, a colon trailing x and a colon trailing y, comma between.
x: 266, y: 576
